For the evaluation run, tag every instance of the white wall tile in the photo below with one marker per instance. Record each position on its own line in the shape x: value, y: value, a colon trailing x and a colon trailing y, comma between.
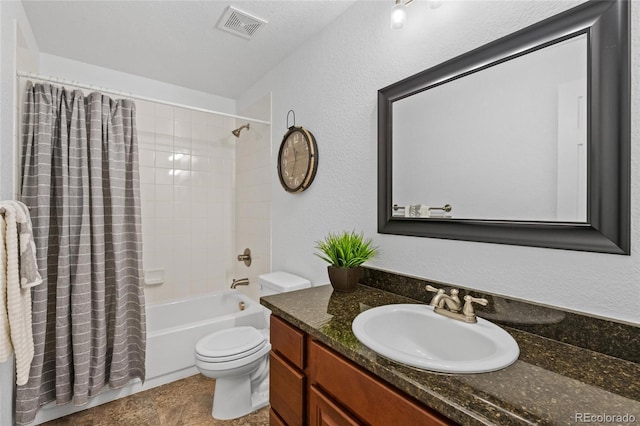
x: 164, y: 226
x: 200, y: 209
x: 182, y: 210
x: 182, y: 228
x: 251, y: 166
x: 145, y: 121
x: 146, y: 140
x: 201, y: 147
x: 199, y: 130
x: 199, y: 116
x: 147, y: 175
x: 182, y: 129
x: 182, y: 114
x: 147, y: 191
x: 163, y: 192
x: 164, y: 160
x: 164, y: 143
x: 145, y: 108
x: 164, y: 126
x: 164, y: 176
x: 163, y: 209
x: 200, y: 163
x: 200, y: 178
x: 146, y: 157
x: 181, y: 177
x: 182, y: 194
x: 164, y: 111
x: 188, y: 228
x: 182, y: 145
x: 182, y: 161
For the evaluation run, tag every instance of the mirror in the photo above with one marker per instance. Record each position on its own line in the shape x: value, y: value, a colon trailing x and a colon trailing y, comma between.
x: 531, y: 110
x: 525, y: 140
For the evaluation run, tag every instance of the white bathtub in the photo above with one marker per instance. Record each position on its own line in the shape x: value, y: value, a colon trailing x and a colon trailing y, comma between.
x: 172, y: 332
x: 174, y: 328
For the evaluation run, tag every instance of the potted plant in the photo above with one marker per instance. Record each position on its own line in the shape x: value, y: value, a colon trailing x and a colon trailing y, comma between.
x: 345, y: 252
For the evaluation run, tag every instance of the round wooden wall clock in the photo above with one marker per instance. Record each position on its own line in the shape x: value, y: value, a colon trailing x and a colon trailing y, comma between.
x: 297, y: 159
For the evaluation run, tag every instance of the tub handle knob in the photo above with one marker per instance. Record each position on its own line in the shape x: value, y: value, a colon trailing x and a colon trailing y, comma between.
x: 245, y: 257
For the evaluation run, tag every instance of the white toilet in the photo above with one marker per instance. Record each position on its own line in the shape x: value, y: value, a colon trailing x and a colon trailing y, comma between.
x: 238, y: 357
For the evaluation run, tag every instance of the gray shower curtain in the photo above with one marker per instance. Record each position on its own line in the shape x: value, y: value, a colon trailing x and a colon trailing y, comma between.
x: 80, y: 179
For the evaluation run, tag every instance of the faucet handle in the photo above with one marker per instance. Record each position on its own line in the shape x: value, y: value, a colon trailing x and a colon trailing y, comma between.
x: 436, y: 297
x: 468, y: 311
x: 432, y: 289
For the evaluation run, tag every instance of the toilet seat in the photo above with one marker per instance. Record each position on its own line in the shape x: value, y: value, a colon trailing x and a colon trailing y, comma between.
x: 230, y: 344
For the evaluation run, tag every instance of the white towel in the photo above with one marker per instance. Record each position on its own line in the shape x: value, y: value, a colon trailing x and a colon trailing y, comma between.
x: 21, y: 274
x: 29, y: 274
x: 5, y: 339
x: 417, y: 210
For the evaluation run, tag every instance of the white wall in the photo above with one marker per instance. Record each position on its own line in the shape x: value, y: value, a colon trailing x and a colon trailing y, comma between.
x: 331, y: 82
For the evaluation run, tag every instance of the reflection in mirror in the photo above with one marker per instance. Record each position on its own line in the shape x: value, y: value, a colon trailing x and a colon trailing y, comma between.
x: 507, y: 143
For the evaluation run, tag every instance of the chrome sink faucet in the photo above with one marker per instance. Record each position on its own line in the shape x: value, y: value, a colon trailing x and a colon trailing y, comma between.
x: 241, y: 281
x: 449, y: 305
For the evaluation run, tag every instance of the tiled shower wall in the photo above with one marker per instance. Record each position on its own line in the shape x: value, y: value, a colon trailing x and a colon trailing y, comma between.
x: 254, y: 177
x: 187, y: 179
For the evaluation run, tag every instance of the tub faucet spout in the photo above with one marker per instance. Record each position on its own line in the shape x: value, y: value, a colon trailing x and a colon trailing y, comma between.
x: 241, y: 281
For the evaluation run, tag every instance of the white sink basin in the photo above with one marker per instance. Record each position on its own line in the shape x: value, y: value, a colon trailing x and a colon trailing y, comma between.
x: 415, y: 335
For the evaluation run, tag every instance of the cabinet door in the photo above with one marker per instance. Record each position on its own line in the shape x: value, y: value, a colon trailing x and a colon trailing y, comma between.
x: 275, y: 420
x: 323, y: 412
x: 288, y: 341
x: 286, y: 391
x: 372, y: 400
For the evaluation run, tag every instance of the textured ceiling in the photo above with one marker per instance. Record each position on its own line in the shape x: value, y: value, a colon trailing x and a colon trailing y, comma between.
x: 177, y: 41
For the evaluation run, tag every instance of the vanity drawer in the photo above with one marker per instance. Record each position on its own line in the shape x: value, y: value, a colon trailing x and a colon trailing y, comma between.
x: 323, y: 411
x: 374, y: 401
x: 275, y: 420
x: 286, y: 391
x: 288, y: 341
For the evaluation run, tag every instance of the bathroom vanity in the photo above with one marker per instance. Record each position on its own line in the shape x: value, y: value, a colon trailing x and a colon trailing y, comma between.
x: 321, y: 374
x: 313, y: 384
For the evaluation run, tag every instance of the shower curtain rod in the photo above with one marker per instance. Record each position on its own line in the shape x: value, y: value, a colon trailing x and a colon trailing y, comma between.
x: 131, y: 95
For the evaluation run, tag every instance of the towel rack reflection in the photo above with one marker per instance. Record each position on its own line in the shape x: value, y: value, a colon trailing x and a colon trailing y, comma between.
x: 446, y: 208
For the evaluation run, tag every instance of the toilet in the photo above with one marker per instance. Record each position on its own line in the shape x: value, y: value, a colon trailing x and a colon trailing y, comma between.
x: 238, y: 357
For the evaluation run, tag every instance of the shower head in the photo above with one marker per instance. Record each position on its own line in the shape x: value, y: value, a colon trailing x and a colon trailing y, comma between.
x: 237, y: 131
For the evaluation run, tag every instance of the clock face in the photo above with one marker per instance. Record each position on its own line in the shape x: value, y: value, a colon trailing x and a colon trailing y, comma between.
x: 297, y: 160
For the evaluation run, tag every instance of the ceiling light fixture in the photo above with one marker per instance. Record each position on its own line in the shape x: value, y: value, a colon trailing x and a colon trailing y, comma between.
x: 399, y: 12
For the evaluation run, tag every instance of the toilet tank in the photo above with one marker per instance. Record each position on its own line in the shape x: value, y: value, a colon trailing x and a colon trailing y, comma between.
x: 281, y: 282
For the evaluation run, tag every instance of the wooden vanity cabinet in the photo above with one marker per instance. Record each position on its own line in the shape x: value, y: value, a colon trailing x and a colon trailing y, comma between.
x: 312, y: 384
x: 287, y: 383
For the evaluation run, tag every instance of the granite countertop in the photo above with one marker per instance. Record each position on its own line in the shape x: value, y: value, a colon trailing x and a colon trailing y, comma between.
x: 550, y: 384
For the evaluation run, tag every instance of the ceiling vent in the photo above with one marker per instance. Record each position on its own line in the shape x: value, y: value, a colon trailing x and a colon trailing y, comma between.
x: 240, y: 23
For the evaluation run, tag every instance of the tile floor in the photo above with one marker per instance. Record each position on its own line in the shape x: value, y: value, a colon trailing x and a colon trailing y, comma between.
x: 185, y: 402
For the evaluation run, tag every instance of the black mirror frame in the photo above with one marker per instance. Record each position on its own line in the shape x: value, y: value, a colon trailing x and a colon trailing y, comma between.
x: 607, y: 230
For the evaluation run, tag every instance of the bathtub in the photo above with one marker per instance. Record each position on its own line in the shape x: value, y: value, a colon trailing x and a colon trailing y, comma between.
x: 174, y: 328
x: 172, y: 332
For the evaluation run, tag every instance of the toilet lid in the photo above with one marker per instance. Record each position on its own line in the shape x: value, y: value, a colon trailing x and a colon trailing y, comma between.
x: 229, y: 344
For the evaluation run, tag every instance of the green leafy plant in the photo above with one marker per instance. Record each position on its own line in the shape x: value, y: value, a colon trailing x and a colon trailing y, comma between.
x: 346, y: 249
